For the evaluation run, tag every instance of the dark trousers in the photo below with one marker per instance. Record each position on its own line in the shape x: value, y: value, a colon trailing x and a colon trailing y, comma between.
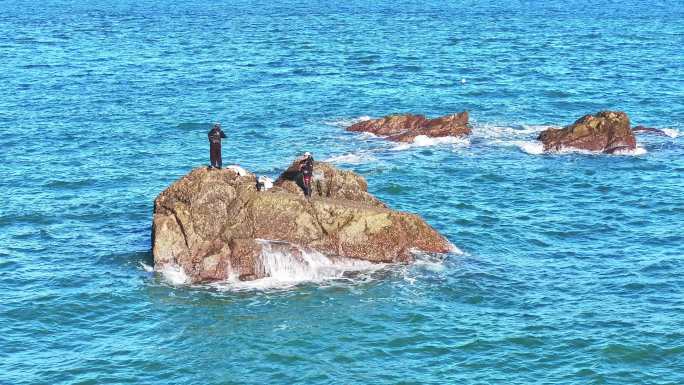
x: 307, y: 185
x: 215, y: 155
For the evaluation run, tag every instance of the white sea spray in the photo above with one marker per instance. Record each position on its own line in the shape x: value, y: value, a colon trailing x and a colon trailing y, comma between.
x: 346, y: 122
x: 173, y: 274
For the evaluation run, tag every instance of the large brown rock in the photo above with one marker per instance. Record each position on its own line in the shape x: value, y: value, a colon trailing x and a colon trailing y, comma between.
x: 211, y: 223
x: 405, y: 128
x: 606, y: 131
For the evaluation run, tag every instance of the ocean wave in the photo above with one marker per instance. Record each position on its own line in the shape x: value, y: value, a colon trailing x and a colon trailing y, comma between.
x: 430, y: 264
x: 146, y: 267
x: 636, y: 152
x: 671, y: 132
x: 530, y: 147
x: 426, y: 141
x: 286, y: 266
x: 368, y: 135
x: 534, y: 147
x: 431, y: 261
x: 570, y: 150
x: 352, y: 158
x: 69, y: 184
x: 285, y: 269
x: 522, y: 136
x: 173, y: 274
x: 453, y: 249
x: 498, y: 132
x: 346, y: 122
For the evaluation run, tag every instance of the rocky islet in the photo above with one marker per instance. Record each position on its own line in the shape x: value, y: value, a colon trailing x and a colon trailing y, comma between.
x: 213, y: 223
x: 406, y: 127
x: 604, y: 132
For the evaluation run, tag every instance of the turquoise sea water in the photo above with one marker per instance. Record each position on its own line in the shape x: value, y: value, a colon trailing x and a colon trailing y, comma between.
x: 573, y: 264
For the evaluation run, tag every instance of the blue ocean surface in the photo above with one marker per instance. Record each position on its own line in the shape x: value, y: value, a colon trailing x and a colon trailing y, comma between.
x: 572, y: 264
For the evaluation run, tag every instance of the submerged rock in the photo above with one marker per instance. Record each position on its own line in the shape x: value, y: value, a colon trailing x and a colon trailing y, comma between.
x: 648, y: 130
x: 606, y: 131
x: 405, y: 128
x: 212, y: 223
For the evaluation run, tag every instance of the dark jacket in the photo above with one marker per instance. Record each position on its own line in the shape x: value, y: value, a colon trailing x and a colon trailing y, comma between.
x: 215, y: 135
x: 307, y: 166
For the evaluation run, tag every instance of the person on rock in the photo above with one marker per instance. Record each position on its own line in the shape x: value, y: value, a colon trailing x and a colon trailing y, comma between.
x: 306, y: 169
x: 215, y: 136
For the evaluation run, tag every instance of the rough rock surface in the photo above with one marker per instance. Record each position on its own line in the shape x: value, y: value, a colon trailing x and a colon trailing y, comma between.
x: 405, y: 128
x: 606, y: 131
x: 210, y: 222
x: 648, y: 130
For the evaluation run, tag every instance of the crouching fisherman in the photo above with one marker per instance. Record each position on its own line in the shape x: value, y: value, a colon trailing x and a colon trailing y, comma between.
x: 215, y: 136
x: 306, y: 169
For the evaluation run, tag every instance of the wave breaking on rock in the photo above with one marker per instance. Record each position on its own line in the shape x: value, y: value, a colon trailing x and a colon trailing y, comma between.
x: 606, y: 131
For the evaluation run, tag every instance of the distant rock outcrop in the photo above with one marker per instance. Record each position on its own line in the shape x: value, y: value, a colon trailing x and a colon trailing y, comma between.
x: 405, y: 128
x: 606, y: 131
x: 211, y: 223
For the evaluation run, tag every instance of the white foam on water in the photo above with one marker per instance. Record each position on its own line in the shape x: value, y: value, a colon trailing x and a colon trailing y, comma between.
x: 534, y: 147
x: 671, y: 132
x: 455, y: 250
x: 500, y: 134
x: 522, y: 137
x: 368, y: 135
x: 530, y: 147
x: 173, y: 274
x: 636, y: 152
x: 309, y: 265
x: 352, y: 158
x: 346, y: 122
x: 426, y: 141
x: 401, y: 147
x: 571, y: 150
x: 287, y: 265
x: 427, y: 262
x: 534, y: 128
x: 430, y: 265
x: 146, y: 267
x: 239, y: 170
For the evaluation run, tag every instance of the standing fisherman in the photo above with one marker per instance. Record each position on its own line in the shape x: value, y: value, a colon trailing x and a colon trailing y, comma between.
x: 215, y: 136
x: 306, y: 168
